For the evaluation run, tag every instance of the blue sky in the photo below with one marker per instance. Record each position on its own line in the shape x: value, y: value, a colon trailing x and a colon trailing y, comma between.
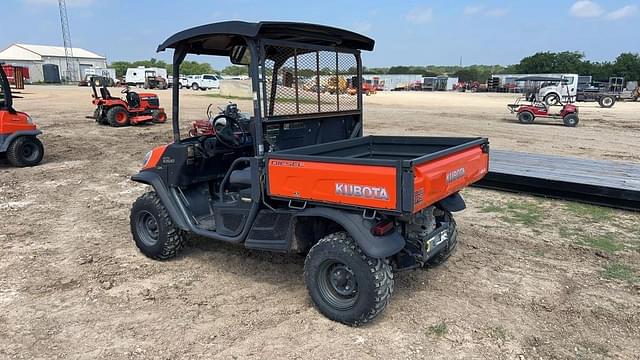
x: 409, y: 32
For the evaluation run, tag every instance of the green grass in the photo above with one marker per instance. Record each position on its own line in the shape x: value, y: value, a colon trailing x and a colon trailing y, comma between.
x: 526, y: 213
x: 603, y: 242
x: 498, y: 332
x: 593, y: 212
x: 438, y: 329
x: 619, y: 271
x: 538, y: 253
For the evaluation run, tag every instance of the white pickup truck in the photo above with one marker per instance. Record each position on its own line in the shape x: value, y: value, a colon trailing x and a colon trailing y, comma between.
x: 204, y: 82
x: 184, y: 82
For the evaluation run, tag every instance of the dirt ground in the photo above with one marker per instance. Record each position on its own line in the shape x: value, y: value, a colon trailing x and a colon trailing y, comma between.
x: 532, y: 278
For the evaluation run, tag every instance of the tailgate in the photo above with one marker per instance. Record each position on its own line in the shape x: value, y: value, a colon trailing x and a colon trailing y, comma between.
x: 434, y: 180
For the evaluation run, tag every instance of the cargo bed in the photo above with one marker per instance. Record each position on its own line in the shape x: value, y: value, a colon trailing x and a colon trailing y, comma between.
x: 388, y: 173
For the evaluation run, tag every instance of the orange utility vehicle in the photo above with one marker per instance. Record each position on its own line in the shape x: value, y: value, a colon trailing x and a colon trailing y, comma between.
x: 18, y: 133
x: 134, y: 109
x: 297, y: 175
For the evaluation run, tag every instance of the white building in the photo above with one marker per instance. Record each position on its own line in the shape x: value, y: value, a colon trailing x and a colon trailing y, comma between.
x: 34, y: 56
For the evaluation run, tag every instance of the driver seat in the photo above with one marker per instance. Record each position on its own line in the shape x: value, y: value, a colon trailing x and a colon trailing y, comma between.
x: 133, y: 99
x: 241, y: 177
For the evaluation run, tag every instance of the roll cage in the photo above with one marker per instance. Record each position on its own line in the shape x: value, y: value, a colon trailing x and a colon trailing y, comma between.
x: 290, y: 64
x: 6, y: 98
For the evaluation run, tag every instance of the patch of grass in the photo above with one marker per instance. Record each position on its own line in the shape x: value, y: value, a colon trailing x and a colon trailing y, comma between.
x: 498, y: 332
x: 438, y: 329
x: 619, y: 271
x: 593, y: 212
x: 538, y: 253
x: 228, y: 97
x: 517, y: 212
x: 603, y: 242
x: 568, y: 233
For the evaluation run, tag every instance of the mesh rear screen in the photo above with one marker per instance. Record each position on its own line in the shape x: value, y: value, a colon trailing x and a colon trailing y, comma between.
x: 308, y: 82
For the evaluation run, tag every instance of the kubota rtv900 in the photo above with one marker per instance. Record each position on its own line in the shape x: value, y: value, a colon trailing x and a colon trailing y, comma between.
x: 298, y: 176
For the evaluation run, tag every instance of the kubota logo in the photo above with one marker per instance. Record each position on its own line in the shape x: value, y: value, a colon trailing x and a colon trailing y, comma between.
x: 368, y: 192
x: 455, y: 175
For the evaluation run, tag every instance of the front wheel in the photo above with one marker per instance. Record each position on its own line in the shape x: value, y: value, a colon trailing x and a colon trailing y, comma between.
x: 195, y: 86
x: 153, y: 230
x: 570, y: 120
x: 160, y: 117
x: 345, y: 284
x: 25, y: 151
x: 552, y: 99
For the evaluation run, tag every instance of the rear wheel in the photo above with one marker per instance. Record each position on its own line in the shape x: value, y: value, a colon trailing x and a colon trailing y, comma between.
x: 118, y: 116
x: 25, y: 151
x: 179, y: 86
x: 606, y: 101
x: 552, y: 99
x: 345, y: 284
x: 526, y: 117
x: 153, y: 230
x: 195, y: 86
x: 570, y: 120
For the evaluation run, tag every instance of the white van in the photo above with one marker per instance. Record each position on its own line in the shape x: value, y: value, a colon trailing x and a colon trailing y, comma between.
x: 137, y: 76
x: 204, y: 82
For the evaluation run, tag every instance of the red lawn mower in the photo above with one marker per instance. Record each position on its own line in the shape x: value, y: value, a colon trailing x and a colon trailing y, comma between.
x: 18, y: 133
x: 529, y: 107
x: 136, y: 108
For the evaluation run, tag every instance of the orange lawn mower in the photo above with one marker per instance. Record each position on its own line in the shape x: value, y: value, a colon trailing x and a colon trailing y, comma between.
x: 134, y: 109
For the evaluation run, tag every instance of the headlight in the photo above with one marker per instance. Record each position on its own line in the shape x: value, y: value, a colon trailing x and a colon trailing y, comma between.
x: 146, y: 159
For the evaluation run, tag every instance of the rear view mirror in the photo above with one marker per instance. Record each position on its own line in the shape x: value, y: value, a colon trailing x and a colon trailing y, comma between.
x: 240, y: 55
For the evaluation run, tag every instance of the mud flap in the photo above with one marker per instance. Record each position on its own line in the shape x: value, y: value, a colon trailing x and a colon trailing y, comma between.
x: 154, y: 180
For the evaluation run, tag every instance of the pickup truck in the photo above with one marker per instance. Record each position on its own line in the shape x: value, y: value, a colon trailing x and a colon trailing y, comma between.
x: 204, y: 82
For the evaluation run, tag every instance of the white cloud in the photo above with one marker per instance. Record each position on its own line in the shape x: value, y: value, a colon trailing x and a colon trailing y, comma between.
x: 362, y: 26
x: 420, y: 15
x: 623, y: 12
x: 70, y: 3
x: 497, y: 12
x: 585, y: 8
x: 471, y: 10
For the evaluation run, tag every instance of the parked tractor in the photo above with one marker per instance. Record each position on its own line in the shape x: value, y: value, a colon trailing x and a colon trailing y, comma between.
x: 298, y: 176
x: 134, y: 109
x: 18, y: 134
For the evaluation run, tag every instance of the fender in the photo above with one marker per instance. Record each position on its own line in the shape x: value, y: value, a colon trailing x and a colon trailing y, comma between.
x: 4, y: 145
x: 153, y: 179
x: 360, y: 229
x: 452, y: 203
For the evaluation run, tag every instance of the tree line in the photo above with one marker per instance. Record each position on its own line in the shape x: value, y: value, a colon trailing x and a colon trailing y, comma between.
x: 626, y: 65
x: 186, y: 68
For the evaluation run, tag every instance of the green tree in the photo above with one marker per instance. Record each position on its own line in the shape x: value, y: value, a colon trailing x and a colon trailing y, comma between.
x: 235, y: 70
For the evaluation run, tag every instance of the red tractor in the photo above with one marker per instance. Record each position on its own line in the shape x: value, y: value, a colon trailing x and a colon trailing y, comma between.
x: 136, y: 108
x: 18, y: 133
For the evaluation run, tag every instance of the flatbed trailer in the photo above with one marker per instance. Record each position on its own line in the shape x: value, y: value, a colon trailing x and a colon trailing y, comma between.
x: 393, y: 174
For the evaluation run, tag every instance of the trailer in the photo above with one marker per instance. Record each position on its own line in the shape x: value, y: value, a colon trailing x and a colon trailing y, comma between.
x: 138, y: 76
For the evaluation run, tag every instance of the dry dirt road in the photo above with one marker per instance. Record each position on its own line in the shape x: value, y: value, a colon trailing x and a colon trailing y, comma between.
x: 532, y: 279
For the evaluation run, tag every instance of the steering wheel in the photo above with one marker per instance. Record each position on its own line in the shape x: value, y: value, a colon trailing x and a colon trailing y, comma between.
x: 231, y: 134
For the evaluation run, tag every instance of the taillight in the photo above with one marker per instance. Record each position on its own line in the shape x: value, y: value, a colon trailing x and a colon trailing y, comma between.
x: 382, y: 228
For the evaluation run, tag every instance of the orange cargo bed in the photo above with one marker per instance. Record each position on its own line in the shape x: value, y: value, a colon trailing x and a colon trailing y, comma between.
x: 386, y: 173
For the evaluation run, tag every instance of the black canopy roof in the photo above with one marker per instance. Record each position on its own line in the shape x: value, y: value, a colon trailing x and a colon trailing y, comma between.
x: 219, y: 38
x: 541, y: 78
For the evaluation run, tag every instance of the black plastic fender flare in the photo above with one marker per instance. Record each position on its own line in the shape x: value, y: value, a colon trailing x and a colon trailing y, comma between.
x: 154, y: 180
x: 452, y: 203
x: 360, y: 229
x: 4, y: 145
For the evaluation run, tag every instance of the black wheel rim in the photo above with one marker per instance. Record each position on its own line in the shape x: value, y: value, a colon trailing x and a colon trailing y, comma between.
x: 147, y: 227
x: 337, y: 285
x: 29, y: 152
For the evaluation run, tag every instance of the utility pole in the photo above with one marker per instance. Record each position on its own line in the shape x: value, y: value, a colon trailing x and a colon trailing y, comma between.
x: 66, y: 38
